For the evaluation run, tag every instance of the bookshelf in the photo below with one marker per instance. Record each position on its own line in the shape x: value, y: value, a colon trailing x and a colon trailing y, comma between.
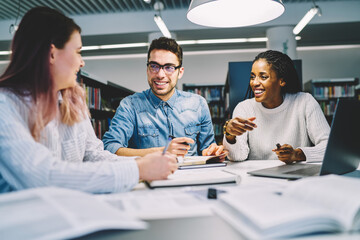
x: 214, y: 95
x: 327, y: 91
x: 102, y: 98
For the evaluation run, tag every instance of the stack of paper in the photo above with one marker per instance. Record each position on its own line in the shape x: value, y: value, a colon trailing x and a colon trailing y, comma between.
x: 56, y: 213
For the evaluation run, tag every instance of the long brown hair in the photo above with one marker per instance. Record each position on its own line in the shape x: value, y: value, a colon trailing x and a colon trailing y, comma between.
x: 28, y: 73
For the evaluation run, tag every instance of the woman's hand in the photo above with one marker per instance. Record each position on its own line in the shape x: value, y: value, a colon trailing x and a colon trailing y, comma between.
x: 238, y: 126
x: 287, y: 154
x: 155, y: 166
x: 180, y: 146
x: 216, y: 150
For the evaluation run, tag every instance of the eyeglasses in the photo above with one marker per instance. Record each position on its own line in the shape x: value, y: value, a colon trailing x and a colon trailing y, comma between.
x: 155, y: 68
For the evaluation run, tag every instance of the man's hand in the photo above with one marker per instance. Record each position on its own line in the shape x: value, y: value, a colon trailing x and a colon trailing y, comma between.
x: 287, y: 154
x: 216, y: 150
x: 155, y: 166
x: 180, y: 146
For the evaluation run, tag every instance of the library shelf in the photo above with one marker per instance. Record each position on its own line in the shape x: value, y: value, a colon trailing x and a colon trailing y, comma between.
x: 214, y: 95
x: 102, y: 98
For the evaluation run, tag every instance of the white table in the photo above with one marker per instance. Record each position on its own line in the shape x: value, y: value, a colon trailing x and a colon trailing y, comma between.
x: 209, y: 227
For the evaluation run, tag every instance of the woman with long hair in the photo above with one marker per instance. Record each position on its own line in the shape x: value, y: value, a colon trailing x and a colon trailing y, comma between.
x: 46, y: 136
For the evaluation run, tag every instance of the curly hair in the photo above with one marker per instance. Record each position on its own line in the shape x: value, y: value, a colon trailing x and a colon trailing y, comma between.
x: 283, y: 67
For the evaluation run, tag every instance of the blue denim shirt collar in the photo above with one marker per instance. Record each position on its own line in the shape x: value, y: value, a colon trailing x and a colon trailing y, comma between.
x: 156, y: 102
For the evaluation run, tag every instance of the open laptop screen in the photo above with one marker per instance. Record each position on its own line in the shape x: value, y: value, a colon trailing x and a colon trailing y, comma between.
x: 342, y: 153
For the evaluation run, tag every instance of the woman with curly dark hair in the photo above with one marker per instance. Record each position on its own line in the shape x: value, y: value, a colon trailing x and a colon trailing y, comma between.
x: 277, y: 112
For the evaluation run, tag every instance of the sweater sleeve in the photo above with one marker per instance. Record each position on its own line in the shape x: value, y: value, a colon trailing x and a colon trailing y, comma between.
x: 318, y: 131
x: 239, y: 151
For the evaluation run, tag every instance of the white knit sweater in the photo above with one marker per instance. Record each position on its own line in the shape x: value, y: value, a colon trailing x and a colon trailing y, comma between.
x: 298, y: 121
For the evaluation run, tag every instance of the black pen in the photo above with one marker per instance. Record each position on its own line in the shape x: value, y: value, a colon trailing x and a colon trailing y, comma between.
x: 184, y: 143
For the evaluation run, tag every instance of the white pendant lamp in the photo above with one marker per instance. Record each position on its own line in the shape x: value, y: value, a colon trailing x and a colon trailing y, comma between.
x: 233, y: 13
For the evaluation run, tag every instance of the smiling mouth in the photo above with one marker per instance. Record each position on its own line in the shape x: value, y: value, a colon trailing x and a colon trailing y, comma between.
x: 160, y: 83
x: 258, y: 91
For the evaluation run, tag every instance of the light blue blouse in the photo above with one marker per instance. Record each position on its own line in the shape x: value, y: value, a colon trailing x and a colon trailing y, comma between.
x: 66, y: 156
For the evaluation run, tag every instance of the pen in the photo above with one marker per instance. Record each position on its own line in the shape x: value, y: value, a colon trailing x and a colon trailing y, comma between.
x: 167, y: 145
x: 184, y: 143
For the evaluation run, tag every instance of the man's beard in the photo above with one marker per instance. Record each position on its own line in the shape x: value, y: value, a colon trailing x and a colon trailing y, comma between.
x: 161, y: 93
x: 156, y: 91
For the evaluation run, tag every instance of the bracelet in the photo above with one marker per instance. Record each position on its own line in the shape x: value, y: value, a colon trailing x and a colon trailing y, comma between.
x: 225, y: 132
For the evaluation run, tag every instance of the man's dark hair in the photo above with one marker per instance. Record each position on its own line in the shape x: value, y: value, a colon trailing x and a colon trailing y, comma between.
x: 169, y: 44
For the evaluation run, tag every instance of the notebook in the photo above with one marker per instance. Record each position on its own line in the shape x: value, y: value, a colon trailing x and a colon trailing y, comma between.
x: 190, y: 162
x: 342, y: 153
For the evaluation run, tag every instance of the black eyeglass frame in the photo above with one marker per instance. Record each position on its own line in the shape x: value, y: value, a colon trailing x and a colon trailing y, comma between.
x: 162, y: 66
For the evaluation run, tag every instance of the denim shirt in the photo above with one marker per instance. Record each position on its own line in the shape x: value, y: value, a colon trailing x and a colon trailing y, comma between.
x: 143, y: 120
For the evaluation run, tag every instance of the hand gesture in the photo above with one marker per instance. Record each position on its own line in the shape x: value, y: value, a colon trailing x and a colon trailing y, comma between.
x: 287, y: 154
x: 237, y: 126
x: 155, y: 166
x: 180, y: 146
x: 216, y: 150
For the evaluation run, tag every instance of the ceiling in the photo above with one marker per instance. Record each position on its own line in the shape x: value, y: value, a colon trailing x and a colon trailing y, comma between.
x: 322, y: 33
x: 10, y: 8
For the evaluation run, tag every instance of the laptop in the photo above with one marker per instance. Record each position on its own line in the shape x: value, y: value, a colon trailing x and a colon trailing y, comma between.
x: 342, y: 155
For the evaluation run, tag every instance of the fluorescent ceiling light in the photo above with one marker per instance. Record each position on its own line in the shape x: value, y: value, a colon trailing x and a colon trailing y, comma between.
x: 229, y: 51
x: 233, y: 13
x: 86, y: 48
x: 184, y: 42
x: 125, y: 45
x: 161, y: 25
x: 226, y: 40
x: 306, y: 19
x: 5, y: 52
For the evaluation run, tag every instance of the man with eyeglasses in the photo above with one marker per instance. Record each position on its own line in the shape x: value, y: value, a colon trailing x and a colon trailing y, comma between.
x: 162, y: 115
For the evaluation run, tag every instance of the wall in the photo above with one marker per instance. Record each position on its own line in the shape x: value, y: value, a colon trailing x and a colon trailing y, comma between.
x: 211, y: 68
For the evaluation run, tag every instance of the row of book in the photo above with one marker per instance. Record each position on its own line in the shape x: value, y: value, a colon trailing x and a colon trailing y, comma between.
x: 209, y: 93
x: 216, y: 111
x: 324, y: 92
x: 328, y: 107
x: 93, y: 96
x: 218, y: 129
x: 100, y: 126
